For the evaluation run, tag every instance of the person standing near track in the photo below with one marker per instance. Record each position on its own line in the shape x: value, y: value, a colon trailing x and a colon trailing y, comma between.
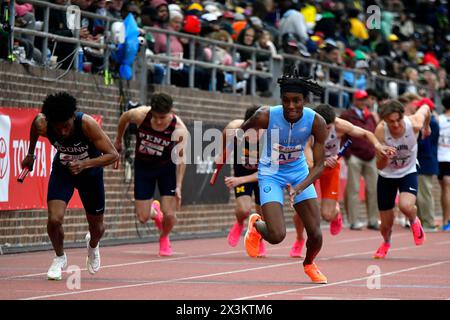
x: 160, y: 133
x: 360, y: 161
x: 282, y: 165
x: 83, y: 150
x: 398, y: 172
x: 329, y: 180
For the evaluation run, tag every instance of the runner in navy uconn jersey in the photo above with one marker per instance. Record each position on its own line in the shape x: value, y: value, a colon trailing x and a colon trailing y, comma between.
x: 83, y: 150
x: 159, y: 131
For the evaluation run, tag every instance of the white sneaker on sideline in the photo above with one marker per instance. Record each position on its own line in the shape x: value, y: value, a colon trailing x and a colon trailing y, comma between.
x: 55, y: 270
x: 93, y: 258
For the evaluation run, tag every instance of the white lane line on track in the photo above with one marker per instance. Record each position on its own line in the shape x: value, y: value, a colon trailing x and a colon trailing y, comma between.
x: 172, y: 259
x: 200, y: 276
x: 273, y: 293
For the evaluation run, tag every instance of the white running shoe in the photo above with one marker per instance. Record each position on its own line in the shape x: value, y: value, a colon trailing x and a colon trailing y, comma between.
x: 55, y: 270
x: 93, y: 258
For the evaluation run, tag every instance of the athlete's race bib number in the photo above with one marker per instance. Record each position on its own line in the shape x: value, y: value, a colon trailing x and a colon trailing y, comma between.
x: 283, y: 154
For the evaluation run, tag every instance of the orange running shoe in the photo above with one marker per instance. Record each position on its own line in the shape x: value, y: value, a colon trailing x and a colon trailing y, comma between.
x: 382, y: 251
x: 336, y: 224
x: 262, y: 249
x: 164, y: 246
x: 156, y: 214
x: 235, y: 234
x: 296, y: 250
x: 314, y: 273
x: 252, y: 236
x: 418, y: 233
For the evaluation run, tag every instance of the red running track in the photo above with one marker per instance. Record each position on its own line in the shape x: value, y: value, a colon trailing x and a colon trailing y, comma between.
x: 208, y: 269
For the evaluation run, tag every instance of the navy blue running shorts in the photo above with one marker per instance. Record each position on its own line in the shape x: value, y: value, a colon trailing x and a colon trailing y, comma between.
x: 387, y: 189
x: 89, y: 184
x: 145, y: 180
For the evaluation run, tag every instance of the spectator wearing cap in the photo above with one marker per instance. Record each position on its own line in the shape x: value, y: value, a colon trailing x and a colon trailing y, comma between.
x: 226, y: 23
x: 292, y: 21
x: 360, y: 160
x: 357, y: 80
x: 428, y: 161
x: 210, y: 24
x: 202, y: 76
x: 24, y: 18
x: 195, y: 9
x: 291, y: 46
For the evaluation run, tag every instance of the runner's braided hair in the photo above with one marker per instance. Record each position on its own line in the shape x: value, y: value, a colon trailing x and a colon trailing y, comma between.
x: 293, y: 82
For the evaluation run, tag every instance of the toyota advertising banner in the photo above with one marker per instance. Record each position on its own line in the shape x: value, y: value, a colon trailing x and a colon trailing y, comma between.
x: 15, y: 126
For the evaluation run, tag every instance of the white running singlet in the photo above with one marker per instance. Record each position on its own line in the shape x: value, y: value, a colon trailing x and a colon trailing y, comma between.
x: 404, y: 161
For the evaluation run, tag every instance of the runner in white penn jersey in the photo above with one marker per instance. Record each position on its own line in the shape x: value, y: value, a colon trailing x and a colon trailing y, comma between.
x: 398, y: 173
x: 444, y: 161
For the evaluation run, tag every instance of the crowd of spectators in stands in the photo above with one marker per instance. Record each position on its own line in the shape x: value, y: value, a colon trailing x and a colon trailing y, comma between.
x: 407, y: 40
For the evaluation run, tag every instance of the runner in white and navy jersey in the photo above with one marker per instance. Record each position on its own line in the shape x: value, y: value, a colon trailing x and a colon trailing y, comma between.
x: 83, y: 150
x: 397, y: 173
x: 159, y: 132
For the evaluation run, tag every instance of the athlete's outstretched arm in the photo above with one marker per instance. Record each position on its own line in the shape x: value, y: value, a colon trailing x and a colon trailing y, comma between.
x: 421, y: 120
x: 259, y: 120
x: 228, y: 134
x: 101, y: 141
x: 232, y: 182
x: 350, y: 129
x: 181, y: 135
x: 319, y: 132
x: 38, y: 129
x: 135, y: 116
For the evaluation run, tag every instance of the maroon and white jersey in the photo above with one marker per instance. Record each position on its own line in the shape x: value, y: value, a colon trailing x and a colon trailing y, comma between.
x: 155, y: 147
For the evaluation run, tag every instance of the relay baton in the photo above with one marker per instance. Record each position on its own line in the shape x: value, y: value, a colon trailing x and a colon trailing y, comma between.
x: 344, y: 147
x: 23, y: 174
x: 215, y: 173
x: 116, y: 165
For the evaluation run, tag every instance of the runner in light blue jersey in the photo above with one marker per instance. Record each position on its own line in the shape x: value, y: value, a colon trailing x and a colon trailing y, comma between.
x: 283, y: 165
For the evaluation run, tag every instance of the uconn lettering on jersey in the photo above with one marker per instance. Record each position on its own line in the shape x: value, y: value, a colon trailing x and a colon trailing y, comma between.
x: 74, y: 149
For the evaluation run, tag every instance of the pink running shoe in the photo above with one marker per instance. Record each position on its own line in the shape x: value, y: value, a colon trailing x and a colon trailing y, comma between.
x: 382, y: 251
x: 418, y: 233
x: 296, y: 250
x: 164, y: 246
x: 262, y: 249
x: 336, y: 224
x: 235, y: 234
x: 156, y: 214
